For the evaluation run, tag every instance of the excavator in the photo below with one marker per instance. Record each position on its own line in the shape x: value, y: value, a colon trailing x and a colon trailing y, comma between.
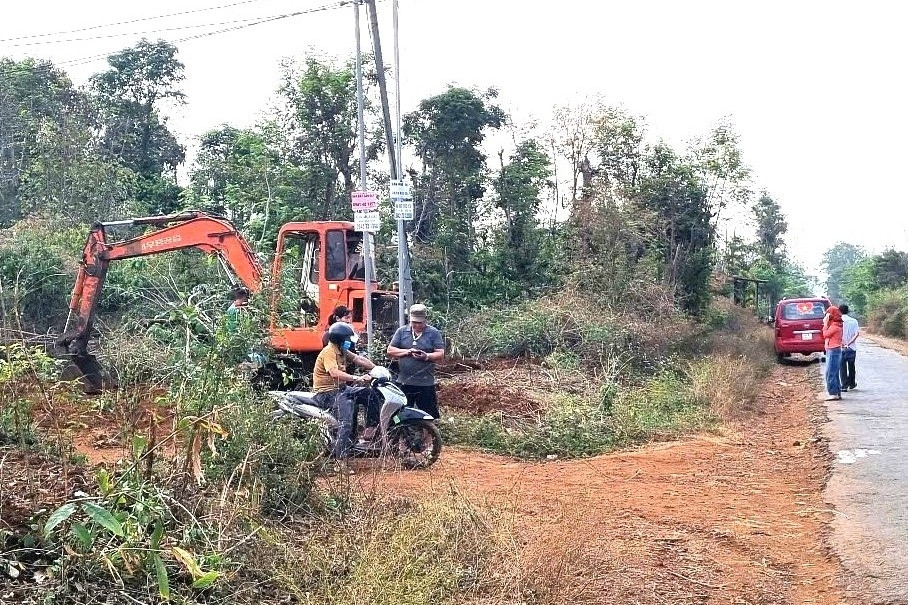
x: 317, y: 266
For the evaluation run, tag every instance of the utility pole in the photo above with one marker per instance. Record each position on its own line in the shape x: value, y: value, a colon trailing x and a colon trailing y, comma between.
x: 404, y: 280
x: 382, y: 87
x: 367, y: 235
x: 405, y: 289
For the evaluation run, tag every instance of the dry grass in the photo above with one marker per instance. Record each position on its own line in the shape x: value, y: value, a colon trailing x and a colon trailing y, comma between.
x: 729, y: 384
x: 386, y: 550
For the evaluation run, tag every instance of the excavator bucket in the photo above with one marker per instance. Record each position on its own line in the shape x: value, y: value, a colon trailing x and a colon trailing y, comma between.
x: 92, y: 372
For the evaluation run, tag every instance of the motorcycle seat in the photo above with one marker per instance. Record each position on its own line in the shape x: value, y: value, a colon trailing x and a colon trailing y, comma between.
x: 303, y: 397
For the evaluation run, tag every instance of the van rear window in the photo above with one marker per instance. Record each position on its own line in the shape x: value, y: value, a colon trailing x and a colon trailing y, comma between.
x: 804, y: 310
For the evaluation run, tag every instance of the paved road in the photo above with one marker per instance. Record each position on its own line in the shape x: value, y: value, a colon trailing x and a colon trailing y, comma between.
x: 868, y: 433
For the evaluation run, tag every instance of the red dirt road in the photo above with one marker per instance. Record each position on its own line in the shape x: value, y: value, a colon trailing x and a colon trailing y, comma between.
x: 735, y: 518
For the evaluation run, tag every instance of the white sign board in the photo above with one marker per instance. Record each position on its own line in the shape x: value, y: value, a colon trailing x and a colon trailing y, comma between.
x: 403, y: 210
x: 400, y: 191
x: 364, y: 200
x: 367, y: 221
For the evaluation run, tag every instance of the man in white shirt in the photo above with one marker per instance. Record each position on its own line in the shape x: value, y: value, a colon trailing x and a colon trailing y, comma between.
x: 850, y: 333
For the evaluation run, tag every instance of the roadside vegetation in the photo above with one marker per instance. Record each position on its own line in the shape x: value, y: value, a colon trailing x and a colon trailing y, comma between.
x: 581, y: 282
x: 875, y: 286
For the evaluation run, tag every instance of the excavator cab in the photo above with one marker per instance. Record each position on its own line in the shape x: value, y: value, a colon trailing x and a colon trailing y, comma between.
x: 310, y: 284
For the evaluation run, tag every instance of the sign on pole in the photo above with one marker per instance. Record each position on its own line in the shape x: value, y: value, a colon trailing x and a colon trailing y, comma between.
x: 403, y: 211
x: 402, y: 197
x: 367, y: 221
x: 364, y: 200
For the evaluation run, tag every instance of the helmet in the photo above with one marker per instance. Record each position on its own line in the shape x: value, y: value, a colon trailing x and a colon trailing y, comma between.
x: 341, y: 332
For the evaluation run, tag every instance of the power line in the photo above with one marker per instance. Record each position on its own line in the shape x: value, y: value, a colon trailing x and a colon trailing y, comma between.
x: 141, y: 33
x: 86, y: 60
x: 84, y: 29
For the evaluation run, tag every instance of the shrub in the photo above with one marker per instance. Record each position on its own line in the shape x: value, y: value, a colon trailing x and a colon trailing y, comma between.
x: 888, y: 312
x: 664, y: 408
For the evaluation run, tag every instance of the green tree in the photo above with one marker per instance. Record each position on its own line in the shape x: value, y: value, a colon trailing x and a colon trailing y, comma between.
x: 320, y: 128
x: 859, y: 285
x: 446, y: 132
x: 684, y: 234
x: 35, y: 99
x: 519, y: 240
x: 837, y: 263
x: 619, y: 144
x: 890, y: 269
x: 718, y: 161
x: 130, y: 96
x: 771, y: 227
x: 244, y: 175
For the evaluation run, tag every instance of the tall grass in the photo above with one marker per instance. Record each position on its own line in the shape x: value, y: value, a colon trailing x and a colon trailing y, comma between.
x: 656, y: 381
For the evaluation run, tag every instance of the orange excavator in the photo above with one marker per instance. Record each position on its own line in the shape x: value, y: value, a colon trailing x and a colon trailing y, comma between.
x: 317, y: 266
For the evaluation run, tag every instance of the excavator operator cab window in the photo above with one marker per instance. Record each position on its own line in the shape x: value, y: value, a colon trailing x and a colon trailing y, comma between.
x: 336, y: 258
x: 299, y: 287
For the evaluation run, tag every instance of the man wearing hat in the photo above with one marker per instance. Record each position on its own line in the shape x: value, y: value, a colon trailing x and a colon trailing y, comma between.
x: 417, y: 347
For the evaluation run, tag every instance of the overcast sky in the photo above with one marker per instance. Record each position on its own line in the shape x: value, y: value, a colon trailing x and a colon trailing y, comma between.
x: 815, y: 89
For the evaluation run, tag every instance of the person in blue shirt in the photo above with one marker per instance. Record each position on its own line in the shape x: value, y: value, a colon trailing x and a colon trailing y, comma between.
x: 417, y: 347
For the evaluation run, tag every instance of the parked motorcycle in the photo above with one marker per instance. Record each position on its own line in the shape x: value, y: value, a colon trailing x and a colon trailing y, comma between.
x: 404, y: 433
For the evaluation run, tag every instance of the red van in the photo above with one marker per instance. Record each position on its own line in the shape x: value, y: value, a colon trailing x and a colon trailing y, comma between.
x: 799, y: 326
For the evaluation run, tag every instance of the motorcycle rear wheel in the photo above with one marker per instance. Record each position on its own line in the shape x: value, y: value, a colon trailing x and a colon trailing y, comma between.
x: 415, y: 444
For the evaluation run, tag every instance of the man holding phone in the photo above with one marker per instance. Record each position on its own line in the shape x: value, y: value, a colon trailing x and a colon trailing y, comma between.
x: 417, y: 347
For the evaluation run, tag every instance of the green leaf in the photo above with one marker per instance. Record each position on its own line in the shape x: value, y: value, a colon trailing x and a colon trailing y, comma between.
x: 157, y: 535
x: 206, y: 580
x: 103, y: 482
x: 102, y: 517
x: 161, y: 573
x: 59, y: 516
x: 83, y: 535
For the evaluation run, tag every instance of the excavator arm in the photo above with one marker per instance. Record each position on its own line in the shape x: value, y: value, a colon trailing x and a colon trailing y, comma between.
x: 198, y: 230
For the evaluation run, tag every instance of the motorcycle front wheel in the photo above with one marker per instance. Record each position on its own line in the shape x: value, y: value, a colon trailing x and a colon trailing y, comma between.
x: 415, y: 444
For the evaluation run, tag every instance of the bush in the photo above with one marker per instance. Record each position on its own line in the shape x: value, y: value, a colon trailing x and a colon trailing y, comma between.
x: 888, y: 312
x: 664, y: 408
x: 38, y: 266
x: 578, y: 326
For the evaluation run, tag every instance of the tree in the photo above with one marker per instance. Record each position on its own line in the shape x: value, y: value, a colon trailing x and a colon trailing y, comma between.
x: 859, y: 284
x: 683, y: 231
x: 242, y: 173
x: 771, y: 227
x: 35, y: 98
x: 135, y: 132
x: 718, y: 162
x: 320, y: 127
x: 619, y: 143
x: 446, y: 132
x: 518, y: 187
x: 890, y: 269
x: 837, y: 263
x: 49, y: 158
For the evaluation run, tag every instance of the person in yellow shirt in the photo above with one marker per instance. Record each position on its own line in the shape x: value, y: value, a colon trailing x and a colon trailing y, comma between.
x: 330, y: 378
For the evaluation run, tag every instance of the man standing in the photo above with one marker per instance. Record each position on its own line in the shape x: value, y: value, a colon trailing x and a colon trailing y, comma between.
x: 330, y: 378
x: 850, y: 333
x: 417, y: 347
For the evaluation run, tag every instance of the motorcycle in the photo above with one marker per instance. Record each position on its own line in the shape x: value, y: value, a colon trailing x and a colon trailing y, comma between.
x: 404, y: 433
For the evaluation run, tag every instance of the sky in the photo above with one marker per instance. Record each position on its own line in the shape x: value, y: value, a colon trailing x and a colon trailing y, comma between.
x: 815, y: 90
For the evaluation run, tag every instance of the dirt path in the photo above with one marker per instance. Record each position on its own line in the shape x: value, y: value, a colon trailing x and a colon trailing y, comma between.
x: 736, y: 518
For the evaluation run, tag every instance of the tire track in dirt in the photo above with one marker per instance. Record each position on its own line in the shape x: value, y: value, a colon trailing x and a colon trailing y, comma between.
x: 731, y: 518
